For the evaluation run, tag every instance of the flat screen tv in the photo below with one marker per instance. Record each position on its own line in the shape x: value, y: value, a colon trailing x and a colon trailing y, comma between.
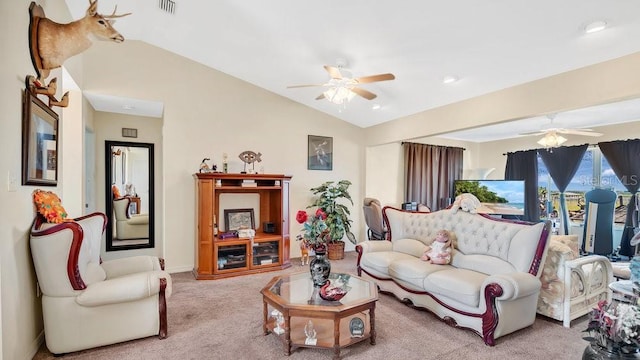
x: 498, y: 197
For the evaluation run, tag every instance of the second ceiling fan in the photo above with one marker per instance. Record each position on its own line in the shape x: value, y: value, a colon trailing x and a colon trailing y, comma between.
x: 342, y: 87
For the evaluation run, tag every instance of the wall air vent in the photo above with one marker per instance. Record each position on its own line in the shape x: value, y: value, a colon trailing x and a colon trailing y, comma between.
x: 167, y: 5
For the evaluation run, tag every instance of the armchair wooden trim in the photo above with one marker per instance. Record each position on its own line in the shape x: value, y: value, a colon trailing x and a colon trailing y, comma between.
x: 73, y: 271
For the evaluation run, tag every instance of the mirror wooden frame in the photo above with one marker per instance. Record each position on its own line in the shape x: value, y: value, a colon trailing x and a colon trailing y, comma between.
x: 109, y: 195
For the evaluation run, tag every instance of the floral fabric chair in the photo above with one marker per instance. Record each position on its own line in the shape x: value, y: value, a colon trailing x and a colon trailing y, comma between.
x: 572, y: 285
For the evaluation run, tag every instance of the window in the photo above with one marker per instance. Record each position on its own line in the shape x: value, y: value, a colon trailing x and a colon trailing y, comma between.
x: 594, y: 171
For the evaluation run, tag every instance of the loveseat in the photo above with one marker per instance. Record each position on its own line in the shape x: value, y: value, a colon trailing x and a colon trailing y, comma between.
x: 491, y: 285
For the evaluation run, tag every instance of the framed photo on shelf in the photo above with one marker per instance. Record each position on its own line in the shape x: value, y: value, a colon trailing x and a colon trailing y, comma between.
x: 39, y: 142
x: 320, y: 153
x: 236, y: 219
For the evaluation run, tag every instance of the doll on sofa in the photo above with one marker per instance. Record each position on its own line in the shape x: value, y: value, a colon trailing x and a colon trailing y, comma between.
x: 439, y: 252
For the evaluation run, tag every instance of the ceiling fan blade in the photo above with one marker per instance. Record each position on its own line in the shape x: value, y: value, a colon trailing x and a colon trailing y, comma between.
x: 374, y: 78
x: 309, y: 85
x: 320, y: 97
x: 533, y: 133
x: 364, y: 93
x: 583, y: 132
x: 334, y: 72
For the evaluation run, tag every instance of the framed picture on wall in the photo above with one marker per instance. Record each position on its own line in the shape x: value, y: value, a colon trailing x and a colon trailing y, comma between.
x: 320, y: 153
x: 39, y: 142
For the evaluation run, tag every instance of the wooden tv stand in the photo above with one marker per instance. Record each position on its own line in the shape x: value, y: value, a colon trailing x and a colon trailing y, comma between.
x: 216, y: 257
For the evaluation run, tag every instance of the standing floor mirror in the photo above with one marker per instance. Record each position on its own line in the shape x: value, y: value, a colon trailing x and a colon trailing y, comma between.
x: 129, y: 195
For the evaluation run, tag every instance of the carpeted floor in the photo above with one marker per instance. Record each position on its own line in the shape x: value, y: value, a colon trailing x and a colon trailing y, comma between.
x: 222, y: 319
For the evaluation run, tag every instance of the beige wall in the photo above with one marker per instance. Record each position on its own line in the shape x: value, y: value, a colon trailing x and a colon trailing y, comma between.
x: 108, y: 126
x: 208, y: 113
x: 21, y: 311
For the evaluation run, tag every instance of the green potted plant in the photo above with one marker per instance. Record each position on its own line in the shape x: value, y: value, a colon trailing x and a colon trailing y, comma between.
x: 327, y: 197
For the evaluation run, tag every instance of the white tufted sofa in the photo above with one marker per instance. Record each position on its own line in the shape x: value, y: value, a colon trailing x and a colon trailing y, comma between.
x: 492, y: 284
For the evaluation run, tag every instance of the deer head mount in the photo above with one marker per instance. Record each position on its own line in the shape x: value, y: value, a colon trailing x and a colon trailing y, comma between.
x: 52, y: 43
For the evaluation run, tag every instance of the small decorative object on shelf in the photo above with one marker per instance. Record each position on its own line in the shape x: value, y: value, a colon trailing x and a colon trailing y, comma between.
x: 613, y: 332
x: 228, y: 235
x: 225, y: 163
x: 311, y: 334
x: 205, y: 168
x: 250, y: 157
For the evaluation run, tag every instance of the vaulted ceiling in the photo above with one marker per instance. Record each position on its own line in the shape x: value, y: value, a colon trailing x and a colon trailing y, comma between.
x: 486, y: 45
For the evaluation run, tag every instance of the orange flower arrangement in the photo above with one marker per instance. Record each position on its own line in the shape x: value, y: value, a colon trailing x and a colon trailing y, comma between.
x: 48, y: 204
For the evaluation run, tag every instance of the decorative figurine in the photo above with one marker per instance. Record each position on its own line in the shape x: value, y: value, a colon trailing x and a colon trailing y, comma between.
x: 204, y: 168
x: 225, y: 163
x: 250, y: 157
x: 310, y: 332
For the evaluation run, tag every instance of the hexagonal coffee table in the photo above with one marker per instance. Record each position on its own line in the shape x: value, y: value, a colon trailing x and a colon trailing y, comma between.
x: 293, y: 299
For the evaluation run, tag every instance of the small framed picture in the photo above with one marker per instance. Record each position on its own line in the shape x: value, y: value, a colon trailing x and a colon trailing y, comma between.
x: 320, y: 153
x: 39, y: 142
x: 236, y: 219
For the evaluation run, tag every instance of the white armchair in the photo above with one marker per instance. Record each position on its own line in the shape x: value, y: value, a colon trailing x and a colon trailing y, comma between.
x: 129, y: 226
x: 572, y: 285
x: 88, y: 303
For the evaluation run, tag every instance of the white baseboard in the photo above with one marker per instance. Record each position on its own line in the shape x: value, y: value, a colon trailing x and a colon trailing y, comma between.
x: 35, y: 346
x: 177, y: 269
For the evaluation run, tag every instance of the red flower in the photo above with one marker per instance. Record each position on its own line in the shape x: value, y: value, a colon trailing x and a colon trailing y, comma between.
x: 321, y: 214
x: 301, y: 217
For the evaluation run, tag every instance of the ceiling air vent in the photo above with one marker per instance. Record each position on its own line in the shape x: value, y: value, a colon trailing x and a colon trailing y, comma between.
x: 167, y: 5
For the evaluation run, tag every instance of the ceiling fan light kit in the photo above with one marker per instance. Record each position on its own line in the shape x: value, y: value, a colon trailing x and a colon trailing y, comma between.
x: 551, y: 140
x: 595, y: 26
x: 339, y: 94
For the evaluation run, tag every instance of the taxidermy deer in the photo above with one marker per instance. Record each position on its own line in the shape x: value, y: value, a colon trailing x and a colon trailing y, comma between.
x: 52, y: 43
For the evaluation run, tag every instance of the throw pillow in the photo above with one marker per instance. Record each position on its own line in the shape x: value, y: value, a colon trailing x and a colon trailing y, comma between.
x: 48, y: 204
x: 116, y: 192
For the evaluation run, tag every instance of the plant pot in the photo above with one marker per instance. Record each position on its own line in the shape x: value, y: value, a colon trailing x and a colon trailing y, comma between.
x: 335, y: 250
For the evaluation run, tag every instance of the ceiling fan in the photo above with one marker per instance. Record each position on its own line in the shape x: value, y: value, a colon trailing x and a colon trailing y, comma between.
x: 342, y: 87
x: 552, y: 137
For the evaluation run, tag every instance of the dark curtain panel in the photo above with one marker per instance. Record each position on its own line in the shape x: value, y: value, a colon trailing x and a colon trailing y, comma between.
x: 562, y: 163
x: 523, y: 165
x: 429, y: 172
x: 624, y: 158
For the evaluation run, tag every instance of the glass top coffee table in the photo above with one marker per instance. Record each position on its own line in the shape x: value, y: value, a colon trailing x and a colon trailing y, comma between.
x: 294, y: 311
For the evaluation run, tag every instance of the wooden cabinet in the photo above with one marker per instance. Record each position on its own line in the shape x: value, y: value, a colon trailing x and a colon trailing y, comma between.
x: 219, y: 258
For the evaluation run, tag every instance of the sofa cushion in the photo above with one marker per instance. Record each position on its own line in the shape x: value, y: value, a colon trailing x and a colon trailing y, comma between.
x: 409, y: 246
x: 413, y: 271
x: 378, y: 262
x: 482, y: 263
x: 461, y: 285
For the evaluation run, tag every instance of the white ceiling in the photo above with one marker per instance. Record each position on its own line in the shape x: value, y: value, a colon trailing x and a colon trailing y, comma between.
x: 489, y: 45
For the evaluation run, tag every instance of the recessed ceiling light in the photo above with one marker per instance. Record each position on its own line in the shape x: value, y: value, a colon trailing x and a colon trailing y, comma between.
x: 595, y: 26
x: 376, y: 106
x: 449, y: 79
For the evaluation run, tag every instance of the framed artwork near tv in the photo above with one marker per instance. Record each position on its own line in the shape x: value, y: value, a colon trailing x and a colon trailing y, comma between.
x: 236, y: 219
x: 39, y: 142
x: 320, y: 152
